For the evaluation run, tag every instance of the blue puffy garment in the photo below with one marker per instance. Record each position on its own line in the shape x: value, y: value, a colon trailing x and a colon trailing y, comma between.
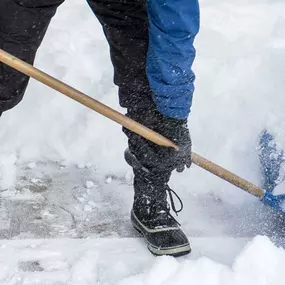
x: 173, y: 25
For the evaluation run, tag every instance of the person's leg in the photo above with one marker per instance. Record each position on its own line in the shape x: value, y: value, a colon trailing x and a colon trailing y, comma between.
x: 126, y: 28
x: 125, y: 24
x: 23, y: 24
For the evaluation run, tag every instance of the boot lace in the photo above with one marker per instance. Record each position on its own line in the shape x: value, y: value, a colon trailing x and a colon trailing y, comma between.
x: 162, y: 208
x: 170, y: 192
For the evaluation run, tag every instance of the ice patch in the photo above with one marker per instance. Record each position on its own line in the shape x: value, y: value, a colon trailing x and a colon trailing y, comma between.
x: 8, y: 170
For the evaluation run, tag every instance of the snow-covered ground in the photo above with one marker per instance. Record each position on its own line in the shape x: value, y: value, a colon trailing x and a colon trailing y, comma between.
x: 124, y: 261
x: 66, y: 191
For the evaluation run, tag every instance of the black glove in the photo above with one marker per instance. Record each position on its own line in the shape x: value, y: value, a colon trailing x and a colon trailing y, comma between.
x: 153, y: 156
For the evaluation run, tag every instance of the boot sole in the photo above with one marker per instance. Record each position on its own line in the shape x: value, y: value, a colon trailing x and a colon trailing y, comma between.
x: 158, y: 251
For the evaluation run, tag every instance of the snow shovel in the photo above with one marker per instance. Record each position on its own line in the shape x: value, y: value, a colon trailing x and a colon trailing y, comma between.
x: 266, y: 197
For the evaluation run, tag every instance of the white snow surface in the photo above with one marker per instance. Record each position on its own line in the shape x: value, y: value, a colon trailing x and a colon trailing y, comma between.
x: 66, y: 191
x: 124, y: 262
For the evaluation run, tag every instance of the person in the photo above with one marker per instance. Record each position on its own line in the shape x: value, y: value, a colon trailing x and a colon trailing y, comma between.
x: 152, y: 51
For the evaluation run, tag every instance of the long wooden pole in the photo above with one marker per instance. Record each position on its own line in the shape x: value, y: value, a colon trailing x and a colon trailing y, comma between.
x: 128, y: 123
x: 227, y: 175
x: 82, y: 98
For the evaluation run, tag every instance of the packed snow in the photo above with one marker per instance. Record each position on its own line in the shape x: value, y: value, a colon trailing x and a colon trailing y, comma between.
x: 124, y: 262
x: 66, y: 191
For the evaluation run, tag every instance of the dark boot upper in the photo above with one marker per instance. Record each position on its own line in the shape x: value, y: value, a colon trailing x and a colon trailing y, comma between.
x: 151, y: 212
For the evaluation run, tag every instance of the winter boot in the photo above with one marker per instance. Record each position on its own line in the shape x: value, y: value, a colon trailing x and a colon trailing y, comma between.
x: 151, y: 215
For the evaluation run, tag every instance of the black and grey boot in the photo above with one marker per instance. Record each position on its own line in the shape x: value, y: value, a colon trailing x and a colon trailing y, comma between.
x: 151, y: 215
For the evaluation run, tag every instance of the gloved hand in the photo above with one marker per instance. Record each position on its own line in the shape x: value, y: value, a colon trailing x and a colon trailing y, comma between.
x: 155, y: 157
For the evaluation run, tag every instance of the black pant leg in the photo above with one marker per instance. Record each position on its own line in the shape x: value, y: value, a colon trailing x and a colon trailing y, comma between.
x: 23, y: 24
x: 125, y: 25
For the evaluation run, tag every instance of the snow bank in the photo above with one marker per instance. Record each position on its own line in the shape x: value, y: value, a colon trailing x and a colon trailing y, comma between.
x: 239, y: 90
x: 246, y: 270
x: 125, y: 262
x: 48, y: 125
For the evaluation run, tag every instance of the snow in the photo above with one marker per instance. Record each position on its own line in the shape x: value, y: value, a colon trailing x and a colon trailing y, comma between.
x: 66, y: 191
x: 89, y: 184
x: 125, y: 262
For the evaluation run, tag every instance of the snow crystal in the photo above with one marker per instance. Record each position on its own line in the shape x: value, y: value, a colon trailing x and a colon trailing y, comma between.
x: 108, y: 180
x: 80, y: 165
x: 32, y: 165
x: 89, y: 184
x: 87, y: 208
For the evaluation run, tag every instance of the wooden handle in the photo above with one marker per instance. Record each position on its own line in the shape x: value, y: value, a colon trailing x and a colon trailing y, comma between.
x: 82, y: 98
x: 227, y: 175
x: 145, y: 132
